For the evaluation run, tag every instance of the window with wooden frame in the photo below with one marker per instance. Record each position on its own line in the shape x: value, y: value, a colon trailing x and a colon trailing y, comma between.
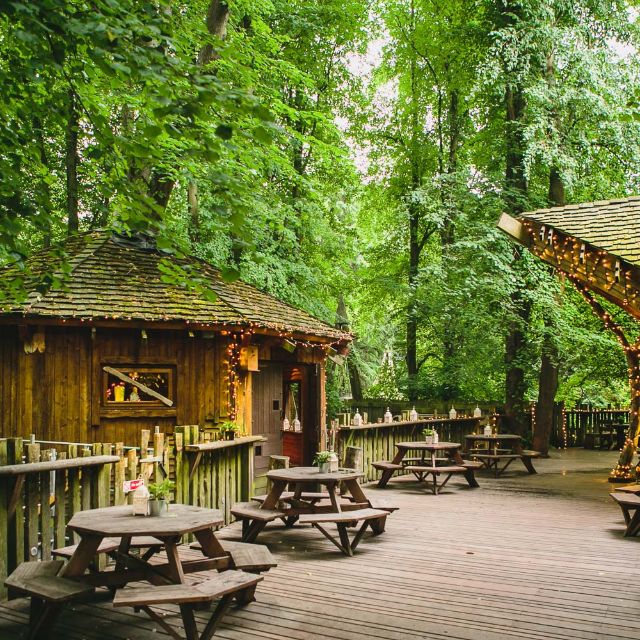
x: 138, y: 386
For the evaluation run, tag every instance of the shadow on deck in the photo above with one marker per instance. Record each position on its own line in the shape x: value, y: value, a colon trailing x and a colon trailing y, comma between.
x: 537, y: 557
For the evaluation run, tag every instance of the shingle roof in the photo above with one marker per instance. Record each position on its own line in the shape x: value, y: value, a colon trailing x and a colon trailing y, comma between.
x: 611, y: 225
x: 115, y: 277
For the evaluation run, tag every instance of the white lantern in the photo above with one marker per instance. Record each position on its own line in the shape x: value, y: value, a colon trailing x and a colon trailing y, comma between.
x: 141, y: 501
x: 453, y: 414
x: 357, y: 419
x: 413, y: 415
x: 388, y: 418
x: 296, y: 424
x: 333, y: 463
x: 477, y: 412
x: 286, y: 425
x: 435, y: 437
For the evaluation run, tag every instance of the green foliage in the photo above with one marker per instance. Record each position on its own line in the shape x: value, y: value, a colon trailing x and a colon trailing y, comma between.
x: 161, y: 490
x: 322, y: 457
x: 247, y: 160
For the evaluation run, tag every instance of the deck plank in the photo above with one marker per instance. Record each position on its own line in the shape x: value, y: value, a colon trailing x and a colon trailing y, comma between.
x: 522, y: 557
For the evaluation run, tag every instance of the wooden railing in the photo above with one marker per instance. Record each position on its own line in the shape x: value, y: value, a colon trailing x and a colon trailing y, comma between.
x: 377, y: 441
x: 41, y: 489
x: 571, y: 425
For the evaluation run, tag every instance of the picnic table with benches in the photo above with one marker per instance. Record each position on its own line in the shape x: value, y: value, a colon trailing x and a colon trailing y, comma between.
x: 304, y: 504
x: 51, y: 584
x: 435, y: 460
x: 497, y: 451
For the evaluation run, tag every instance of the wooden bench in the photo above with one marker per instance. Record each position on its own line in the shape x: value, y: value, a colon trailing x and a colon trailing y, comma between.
x: 253, y: 558
x: 48, y: 592
x: 111, y: 545
x: 288, y: 495
x: 254, y: 518
x: 422, y: 471
x: 629, y: 502
x: 526, y: 456
x: 225, y: 586
x: 343, y: 520
x: 388, y: 469
x: 491, y: 461
x: 383, y: 504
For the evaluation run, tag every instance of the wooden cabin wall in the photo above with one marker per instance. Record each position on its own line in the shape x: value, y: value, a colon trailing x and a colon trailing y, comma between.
x: 57, y: 395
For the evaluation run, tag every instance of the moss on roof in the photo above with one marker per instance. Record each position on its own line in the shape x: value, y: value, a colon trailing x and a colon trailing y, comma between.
x: 610, y: 225
x: 113, y: 277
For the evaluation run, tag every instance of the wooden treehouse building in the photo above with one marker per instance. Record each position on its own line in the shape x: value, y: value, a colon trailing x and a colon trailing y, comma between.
x: 117, y: 349
x: 596, y: 247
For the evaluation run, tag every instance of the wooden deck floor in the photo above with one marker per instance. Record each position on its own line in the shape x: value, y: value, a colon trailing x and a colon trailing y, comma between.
x: 528, y: 557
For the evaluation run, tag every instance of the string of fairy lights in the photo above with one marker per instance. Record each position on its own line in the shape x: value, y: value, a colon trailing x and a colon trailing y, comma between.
x: 238, y: 339
x: 585, y: 266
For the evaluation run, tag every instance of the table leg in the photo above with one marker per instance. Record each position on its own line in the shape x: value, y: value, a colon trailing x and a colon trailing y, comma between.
x: 271, y: 501
x: 175, y: 566
x: 211, y: 547
x: 331, y: 488
x: 386, y: 475
x: 82, y: 556
x: 356, y: 491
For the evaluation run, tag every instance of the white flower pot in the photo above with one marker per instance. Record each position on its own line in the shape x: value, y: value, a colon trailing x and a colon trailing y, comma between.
x: 324, y: 467
x: 428, y: 439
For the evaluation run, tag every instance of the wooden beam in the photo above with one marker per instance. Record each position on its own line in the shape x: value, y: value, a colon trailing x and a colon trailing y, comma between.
x: 514, y: 228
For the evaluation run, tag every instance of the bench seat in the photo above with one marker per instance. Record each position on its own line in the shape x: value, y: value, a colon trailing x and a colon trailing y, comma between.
x: 343, y: 516
x: 253, y: 558
x: 41, y: 580
x: 530, y: 454
x: 288, y: 495
x: 385, y: 465
x: 497, y: 456
x: 251, y: 511
x: 108, y: 545
x: 629, y: 502
x: 224, y: 586
x: 368, y: 517
x: 628, y: 488
x: 437, y: 470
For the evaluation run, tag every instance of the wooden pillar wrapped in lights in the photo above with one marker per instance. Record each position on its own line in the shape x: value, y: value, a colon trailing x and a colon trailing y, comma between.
x: 595, y: 247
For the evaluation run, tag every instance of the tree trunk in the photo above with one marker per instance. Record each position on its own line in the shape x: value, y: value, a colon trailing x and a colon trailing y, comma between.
x: 515, y: 196
x: 411, y: 358
x: 548, y: 377
x: 161, y: 185
x: 194, y: 210
x: 342, y: 323
x: 71, y: 163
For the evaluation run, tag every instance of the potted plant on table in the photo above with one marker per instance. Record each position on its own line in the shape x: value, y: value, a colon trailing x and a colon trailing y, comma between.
x: 428, y: 435
x: 228, y: 430
x: 159, y: 496
x: 323, y: 460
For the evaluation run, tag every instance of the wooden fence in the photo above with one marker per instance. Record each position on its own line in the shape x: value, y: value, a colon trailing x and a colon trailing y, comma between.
x: 571, y: 425
x: 377, y: 441
x: 41, y: 489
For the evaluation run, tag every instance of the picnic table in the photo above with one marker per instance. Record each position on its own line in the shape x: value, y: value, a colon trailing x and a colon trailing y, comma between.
x: 428, y: 463
x: 499, y: 449
x: 50, y: 584
x: 304, y: 504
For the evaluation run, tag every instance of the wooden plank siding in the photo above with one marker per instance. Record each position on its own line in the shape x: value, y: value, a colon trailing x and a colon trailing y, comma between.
x: 57, y: 395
